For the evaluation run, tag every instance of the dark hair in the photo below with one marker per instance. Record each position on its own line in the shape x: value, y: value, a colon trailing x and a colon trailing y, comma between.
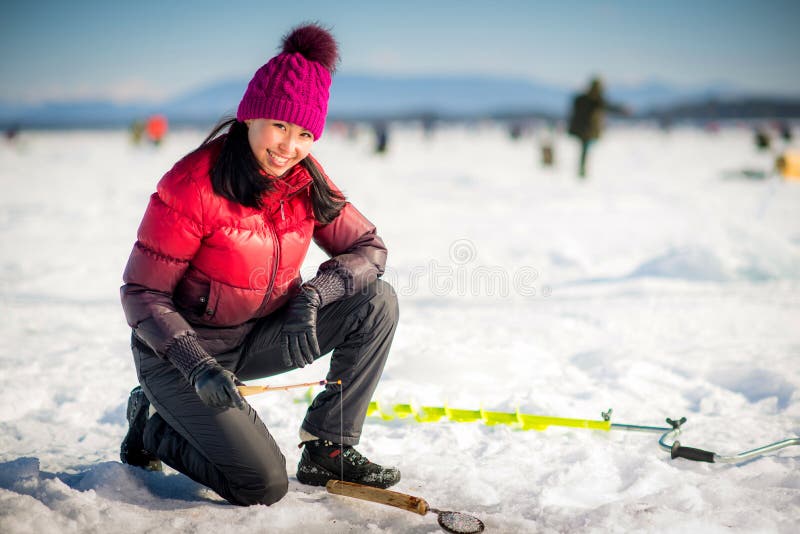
x: 237, y: 174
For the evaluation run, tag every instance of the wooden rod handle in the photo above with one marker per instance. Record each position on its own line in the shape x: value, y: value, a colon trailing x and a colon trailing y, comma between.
x: 378, y: 495
x: 245, y: 390
x: 251, y: 390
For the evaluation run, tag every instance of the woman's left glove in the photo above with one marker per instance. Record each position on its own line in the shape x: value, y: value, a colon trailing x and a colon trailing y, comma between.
x: 299, y: 344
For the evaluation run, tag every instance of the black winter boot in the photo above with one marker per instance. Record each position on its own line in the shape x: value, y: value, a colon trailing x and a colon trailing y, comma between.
x: 132, y: 451
x: 323, y: 460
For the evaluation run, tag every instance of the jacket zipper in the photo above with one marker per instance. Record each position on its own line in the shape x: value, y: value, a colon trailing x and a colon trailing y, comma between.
x: 277, y: 257
x: 277, y: 242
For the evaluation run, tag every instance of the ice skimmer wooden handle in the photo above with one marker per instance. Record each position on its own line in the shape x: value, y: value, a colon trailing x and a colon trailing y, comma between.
x: 252, y: 390
x: 378, y: 495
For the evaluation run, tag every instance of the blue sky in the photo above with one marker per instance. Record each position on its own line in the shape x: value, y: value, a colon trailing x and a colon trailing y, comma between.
x: 154, y: 50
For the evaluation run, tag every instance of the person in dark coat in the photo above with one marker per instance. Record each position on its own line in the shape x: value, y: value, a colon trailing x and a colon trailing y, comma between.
x: 762, y: 139
x: 381, y: 137
x: 587, y: 118
x: 213, y: 295
x: 12, y: 132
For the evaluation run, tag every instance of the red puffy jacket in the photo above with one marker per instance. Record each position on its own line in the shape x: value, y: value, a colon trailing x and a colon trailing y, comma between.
x: 208, y: 265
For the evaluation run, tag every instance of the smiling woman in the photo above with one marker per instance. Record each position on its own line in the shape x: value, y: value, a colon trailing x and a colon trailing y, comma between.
x: 213, y: 294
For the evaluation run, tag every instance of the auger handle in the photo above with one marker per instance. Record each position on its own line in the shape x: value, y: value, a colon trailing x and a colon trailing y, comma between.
x: 690, y: 453
x: 378, y: 495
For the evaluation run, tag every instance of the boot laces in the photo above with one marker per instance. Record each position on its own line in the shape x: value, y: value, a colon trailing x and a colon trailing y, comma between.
x: 354, y: 457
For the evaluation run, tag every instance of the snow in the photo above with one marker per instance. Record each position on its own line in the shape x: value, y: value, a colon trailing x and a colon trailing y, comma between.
x: 665, y: 285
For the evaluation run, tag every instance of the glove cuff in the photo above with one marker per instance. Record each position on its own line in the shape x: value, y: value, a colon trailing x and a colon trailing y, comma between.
x: 189, y: 357
x: 330, y: 287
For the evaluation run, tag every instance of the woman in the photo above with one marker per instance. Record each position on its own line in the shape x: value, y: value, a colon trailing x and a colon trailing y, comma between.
x: 213, y: 294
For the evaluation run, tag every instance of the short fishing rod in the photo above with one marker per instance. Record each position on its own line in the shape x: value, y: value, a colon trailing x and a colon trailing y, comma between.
x: 245, y: 390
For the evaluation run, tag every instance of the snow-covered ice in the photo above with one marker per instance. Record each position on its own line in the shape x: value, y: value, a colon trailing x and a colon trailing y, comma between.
x: 665, y: 285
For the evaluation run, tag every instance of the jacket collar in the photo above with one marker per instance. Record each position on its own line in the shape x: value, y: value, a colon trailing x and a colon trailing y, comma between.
x: 294, y: 180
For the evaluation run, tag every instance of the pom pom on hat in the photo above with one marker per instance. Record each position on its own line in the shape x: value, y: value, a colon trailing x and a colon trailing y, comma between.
x: 294, y: 85
x: 314, y: 43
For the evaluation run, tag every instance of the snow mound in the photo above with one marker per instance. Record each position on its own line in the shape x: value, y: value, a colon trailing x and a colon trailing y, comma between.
x: 687, y: 263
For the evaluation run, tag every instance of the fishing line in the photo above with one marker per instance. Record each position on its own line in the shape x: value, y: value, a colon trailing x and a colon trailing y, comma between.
x: 341, y: 430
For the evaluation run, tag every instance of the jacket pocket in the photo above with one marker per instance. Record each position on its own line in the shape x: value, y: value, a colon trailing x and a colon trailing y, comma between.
x: 212, y: 302
x: 192, y: 295
x: 231, y: 306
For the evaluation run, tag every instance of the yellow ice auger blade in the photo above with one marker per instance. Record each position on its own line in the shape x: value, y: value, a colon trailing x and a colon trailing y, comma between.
x: 541, y: 422
x: 375, y: 409
x: 499, y: 418
x: 523, y: 421
x: 430, y: 414
x: 462, y: 416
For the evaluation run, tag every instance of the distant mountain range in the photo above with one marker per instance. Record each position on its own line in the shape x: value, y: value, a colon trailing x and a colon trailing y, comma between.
x: 362, y: 97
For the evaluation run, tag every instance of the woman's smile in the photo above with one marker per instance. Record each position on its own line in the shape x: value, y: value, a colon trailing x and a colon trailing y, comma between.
x: 278, y: 145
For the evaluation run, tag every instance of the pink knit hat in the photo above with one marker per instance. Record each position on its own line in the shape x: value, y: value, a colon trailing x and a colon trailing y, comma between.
x: 294, y: 85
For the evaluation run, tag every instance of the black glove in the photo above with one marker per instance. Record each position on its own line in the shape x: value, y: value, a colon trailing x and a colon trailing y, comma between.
x: 216, y: 386
x: 299, y: 344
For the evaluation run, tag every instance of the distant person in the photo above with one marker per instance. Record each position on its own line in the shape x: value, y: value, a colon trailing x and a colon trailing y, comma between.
x: 547, y: 145
x: 137, y: 132
x: 788, y: 165
x: 587, y: 118
x: 515, y: 130
x: 428, y: 124
x: 381, y: 137
x: 156, y: 128
x: 712, y: 127
x: 762, y: 139
x: 785, y: 131
x: 12, y: 132
x: 213, y: 294
x: 548, y: 156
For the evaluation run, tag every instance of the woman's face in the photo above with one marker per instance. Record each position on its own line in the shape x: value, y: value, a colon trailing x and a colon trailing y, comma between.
x: 278, y: 145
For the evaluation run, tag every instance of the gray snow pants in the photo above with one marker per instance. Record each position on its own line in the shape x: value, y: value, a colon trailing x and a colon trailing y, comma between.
x: 230, y: 450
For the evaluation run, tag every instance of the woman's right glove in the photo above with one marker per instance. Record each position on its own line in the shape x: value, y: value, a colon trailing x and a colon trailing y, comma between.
x: 215, y: 385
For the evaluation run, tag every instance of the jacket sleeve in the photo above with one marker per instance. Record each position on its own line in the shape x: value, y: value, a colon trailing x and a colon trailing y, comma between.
x: 614, y: 107
x: 357, y: 253
x: 168, y: 238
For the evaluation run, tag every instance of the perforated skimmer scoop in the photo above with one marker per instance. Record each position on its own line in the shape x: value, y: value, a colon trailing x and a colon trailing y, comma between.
x: 455, y: 522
